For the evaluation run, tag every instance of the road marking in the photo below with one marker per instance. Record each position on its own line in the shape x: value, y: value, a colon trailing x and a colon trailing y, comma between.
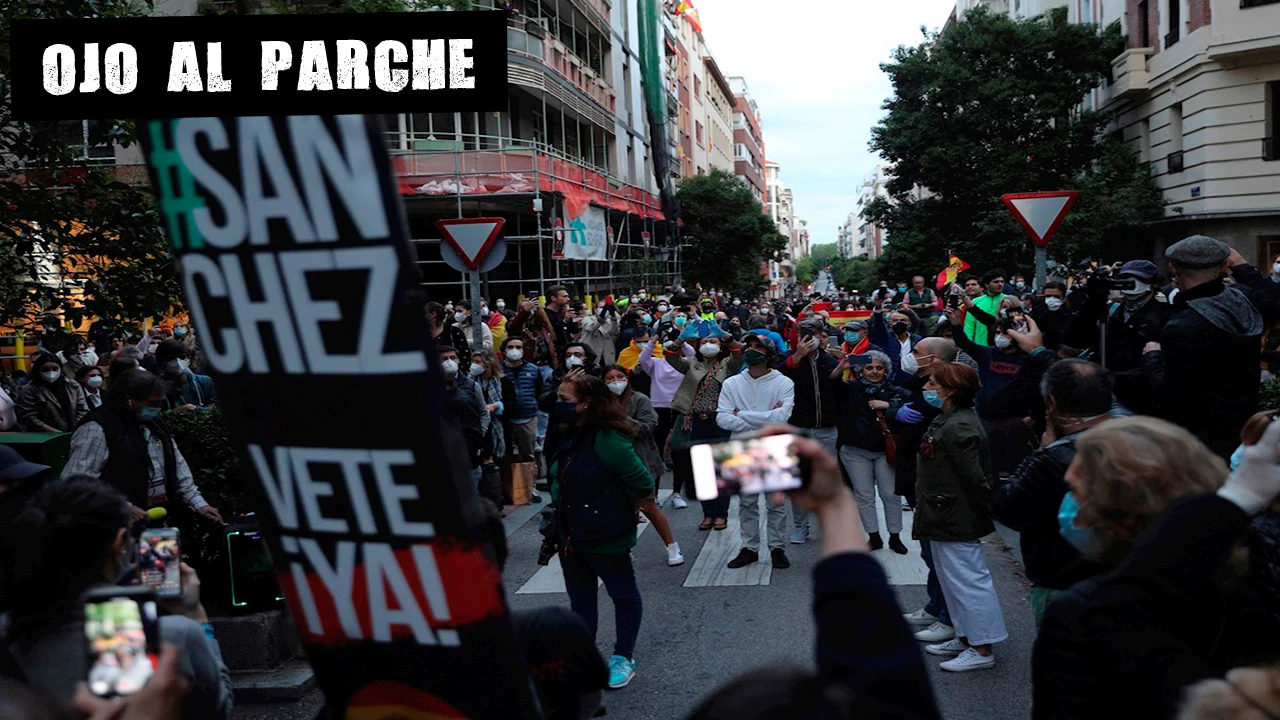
x: 710, y: 570
x: 550, y: 579
x: 906, y: 569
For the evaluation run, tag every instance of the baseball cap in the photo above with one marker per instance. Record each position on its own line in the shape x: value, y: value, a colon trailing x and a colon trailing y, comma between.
x: 15, y: 467
x: 1144, y: 269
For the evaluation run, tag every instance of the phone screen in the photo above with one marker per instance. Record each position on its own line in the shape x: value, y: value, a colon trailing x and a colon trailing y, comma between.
x: 159, y: 561
x: 122, y: 639
x: 747, y: 466
x: 833, y: 341
x: 858, y: 359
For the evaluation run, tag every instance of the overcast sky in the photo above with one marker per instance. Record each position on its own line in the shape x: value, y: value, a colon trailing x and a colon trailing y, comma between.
x: 813, y: 67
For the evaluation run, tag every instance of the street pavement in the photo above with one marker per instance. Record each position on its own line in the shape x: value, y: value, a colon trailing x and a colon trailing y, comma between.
x: 704, y: 625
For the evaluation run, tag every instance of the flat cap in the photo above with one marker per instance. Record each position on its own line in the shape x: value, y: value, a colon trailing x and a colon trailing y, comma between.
x: 1198, y: 252
x: 855, y: 325
x: 1144, y: 269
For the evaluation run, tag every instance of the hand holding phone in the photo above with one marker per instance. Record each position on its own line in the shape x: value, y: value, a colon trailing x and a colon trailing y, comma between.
x: 122, y: 638
x: 159, y: 560
x: 858, y: 359
x: 747, y: 465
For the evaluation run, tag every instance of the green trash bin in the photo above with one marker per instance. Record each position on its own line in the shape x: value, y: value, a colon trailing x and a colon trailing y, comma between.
x: 46, y: 448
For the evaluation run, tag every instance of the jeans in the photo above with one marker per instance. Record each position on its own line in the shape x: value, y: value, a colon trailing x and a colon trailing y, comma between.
x: 582, y: 570
x: 871, y: 472
x: 937, y: 604
x: 701, y: 431
x: 666, y: 416
x: 749, y: 519
x: 971, y: 594
x: 827, y: 438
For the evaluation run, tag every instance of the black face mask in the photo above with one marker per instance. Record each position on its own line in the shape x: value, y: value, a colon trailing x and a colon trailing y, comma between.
x: 900, y: 327
x: 565, y: 412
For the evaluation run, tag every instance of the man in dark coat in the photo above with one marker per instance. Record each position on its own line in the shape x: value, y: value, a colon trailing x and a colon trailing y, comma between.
x: 1204, y: 371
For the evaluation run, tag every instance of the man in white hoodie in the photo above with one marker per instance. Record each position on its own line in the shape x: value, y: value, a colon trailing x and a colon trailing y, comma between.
x: 749, y: 401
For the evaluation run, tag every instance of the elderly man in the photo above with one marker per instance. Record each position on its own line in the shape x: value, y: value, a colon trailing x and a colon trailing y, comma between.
x: 923, y: 301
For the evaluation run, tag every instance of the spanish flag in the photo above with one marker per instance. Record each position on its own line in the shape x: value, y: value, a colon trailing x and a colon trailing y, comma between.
x: 952, y: 271
x: 690, y: 13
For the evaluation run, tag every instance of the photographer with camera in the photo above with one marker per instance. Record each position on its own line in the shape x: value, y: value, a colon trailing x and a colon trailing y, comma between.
x: 1131, y: 323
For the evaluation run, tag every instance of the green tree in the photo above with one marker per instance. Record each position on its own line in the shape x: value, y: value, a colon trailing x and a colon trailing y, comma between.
x: 992, y: 106
x: 728, y: 232
x: 73, y: 239
x: 806, y: 270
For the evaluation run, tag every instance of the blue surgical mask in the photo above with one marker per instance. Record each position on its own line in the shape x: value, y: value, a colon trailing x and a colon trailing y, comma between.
x: 933, y: 398
x: 1236, y: 457
x: 565, y: 412
x: 680, y: 320
x: 148, y: 413
x: 852, y: 338
x: 646, y: 318
x: 1082, y: 539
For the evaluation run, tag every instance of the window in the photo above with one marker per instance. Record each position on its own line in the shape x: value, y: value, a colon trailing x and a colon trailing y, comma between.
x: 81, y: 138
x: 1271, y: 127
x: 740, y: 152
x: 1144, y: 140
x: 697, y: 87
x: 697, y: 131
x: 1175, y: 139
x: 1144, y: 24
x: 1174, y: 9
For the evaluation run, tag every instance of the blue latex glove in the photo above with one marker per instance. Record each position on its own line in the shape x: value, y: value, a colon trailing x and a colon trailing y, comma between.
x: 908, y: 416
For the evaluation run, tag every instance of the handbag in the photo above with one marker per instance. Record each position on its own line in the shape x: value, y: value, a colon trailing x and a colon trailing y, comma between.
x: 890, y: 440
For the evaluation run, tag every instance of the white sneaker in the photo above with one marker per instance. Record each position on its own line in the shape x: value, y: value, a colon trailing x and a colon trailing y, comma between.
x: 936, y: 633
x: 674, y: 556
x: 969, y: 660
x: 953, y: 646
x: 919, y: 617
x: 678, y: 502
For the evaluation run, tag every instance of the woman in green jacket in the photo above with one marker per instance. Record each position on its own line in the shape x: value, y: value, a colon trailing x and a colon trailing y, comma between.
x: 953, y: 514
x: 597, y: 481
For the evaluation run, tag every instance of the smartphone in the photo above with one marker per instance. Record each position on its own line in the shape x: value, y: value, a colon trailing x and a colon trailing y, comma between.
x: 858, y: 359
x: 833, y: 341
x: 747, y: 466
x: 159, y: 561
x: 122, y: 638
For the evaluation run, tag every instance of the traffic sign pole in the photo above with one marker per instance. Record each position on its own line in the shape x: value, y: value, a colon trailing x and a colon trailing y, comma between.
x: 1040, y: 214
x: 473, y: 245
x: 477, y: 335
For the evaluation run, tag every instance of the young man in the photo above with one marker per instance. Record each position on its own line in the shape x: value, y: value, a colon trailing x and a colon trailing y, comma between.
x: 988, y: 302
x: 749, y: 401
x: 462, y: 318
x: 463, y: 403
x: 557, y: 306
x: 521, y: 385
x: 810, y: 368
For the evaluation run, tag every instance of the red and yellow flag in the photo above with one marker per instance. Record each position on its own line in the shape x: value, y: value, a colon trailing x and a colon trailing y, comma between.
x: 686, y: 10
x: 952, y: 271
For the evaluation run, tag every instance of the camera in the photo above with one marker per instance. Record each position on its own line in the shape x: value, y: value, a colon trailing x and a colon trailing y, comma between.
x: 546, y: 552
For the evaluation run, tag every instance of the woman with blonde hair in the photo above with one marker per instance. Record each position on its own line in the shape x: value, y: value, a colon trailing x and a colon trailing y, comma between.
x: 1086, y: 661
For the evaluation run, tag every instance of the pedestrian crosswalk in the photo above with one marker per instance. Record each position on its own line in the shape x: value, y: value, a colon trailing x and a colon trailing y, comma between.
x: 710, y: 568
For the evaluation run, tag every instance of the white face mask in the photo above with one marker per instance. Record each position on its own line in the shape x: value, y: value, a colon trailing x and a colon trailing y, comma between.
x: 500, y: 304
x: 709, y: 349
x: 1003, y: 342
x: 177, y: 367
x: 1276, y: 268
x: 476, y: 370
x: 450, y: 367
x: 573, y: 362
x: 95, y: 381
x: 618, y: 387
x: 1053, y: 303
x: 737, y: 303
x: 51, y: 375
x: 663, y: 308
x: 459, y: 317
x: 515, y: 355
x: 910, y: 365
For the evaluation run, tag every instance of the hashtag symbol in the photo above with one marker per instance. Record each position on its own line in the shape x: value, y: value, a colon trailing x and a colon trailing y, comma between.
x: 176, y: 205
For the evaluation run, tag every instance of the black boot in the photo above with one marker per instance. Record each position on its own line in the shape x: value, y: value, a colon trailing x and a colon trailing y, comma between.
x: 895, y: 544
x: 875, y: 541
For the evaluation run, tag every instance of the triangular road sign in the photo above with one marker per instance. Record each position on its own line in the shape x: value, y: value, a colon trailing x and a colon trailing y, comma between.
x: 1040, y: 213
x: 471, y: 237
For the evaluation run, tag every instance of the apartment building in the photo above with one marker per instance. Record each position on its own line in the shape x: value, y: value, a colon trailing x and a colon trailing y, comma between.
x: 845, y: 236
x: 780, y: 207
x: 748, y: 139
x: 719, y: 122
x: 1197, y: 95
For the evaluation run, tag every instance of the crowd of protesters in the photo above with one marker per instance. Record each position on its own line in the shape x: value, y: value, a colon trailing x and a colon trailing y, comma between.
x: 1109, y: 417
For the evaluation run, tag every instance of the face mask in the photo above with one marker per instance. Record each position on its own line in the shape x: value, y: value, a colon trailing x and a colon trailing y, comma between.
x: 900, y: 328
x: 573, y: 362
x: 177, y: 367
x: 1082, y: 539
x: 148, y: 413
x: 459, y: 317
x: 1053, y: 303
x: 501, y: 304
x: 450, y: 367
x: 739, y: 302
x: 484, y: 312
x: 51, y: 375
x: 1236, y: 457
x: 515, y: 355
x: 681, y: 321
x: 643, y: 295
x: 95, y: 381
x: 646, y: 318
x: 663, y: 308
x: 1003, y: 342
x: 476, y: 370
x: 933, y: 398
x: 179, y: 332
x: 86, y: 357
x: 1019, y: 284
x: 565, y: 412
x: 709, y: 349
x: 1139, y: 289
x: 902, y: 288
x: 754, y: 357
x: 618, y: 387
x: 852, y: 338
x: 1276, y: 268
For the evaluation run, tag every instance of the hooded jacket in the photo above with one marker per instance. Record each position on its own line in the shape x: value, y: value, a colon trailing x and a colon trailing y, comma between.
x: 1205, y: 376
x: 748, y: 403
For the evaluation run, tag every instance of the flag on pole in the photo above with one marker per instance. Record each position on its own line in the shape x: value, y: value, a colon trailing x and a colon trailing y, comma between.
x: 686, y: 10
x: 952, y: 271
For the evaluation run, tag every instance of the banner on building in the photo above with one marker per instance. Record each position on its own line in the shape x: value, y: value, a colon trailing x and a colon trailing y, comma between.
x: 303, y: 287
x: 586, y: 232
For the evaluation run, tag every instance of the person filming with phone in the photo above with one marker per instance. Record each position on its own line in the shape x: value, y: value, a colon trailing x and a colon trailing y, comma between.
x: 76, y: 538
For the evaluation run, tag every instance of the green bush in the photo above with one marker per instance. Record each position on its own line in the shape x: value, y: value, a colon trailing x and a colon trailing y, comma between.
x: 203, y: 439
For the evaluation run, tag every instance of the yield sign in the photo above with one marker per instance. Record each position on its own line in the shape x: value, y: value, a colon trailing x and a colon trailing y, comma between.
x: 471, y: 237
x: 1040, y: 213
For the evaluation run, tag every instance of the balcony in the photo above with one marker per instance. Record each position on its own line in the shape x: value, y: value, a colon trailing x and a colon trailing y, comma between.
x: 1248, y: 29
x: 572, y: 68
x: 1175, y: 162
x: 1270, y: 149
x: 1129, y: 74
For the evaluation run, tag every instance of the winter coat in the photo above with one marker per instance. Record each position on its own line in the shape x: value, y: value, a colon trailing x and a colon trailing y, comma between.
x: 953, y: 487
x: 598, y: 333
x: 1205, y: 376
x: 665, y: 379
x: 595, y: 480
x: 859, y: 426
x: 910, y: 437
x: 817, y: 395
x: 520, y: 389
x: 640, y: 410
x: 463, y: 404
x: 695, y: 369
x: 37, y: 403
x: 892, y: 346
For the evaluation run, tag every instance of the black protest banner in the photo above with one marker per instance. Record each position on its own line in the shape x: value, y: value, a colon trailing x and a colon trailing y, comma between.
x: 165, y: 67
x: 290, y: 242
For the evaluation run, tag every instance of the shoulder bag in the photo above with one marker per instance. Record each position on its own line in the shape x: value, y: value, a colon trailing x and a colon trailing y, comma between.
x: 890, y: 440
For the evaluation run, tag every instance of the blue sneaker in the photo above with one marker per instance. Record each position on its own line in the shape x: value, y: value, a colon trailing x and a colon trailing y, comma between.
x: 621, y: 670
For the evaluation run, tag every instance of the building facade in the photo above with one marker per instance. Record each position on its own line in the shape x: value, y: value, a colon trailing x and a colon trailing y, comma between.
x: 719, y: 123
x: 748, y: 139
